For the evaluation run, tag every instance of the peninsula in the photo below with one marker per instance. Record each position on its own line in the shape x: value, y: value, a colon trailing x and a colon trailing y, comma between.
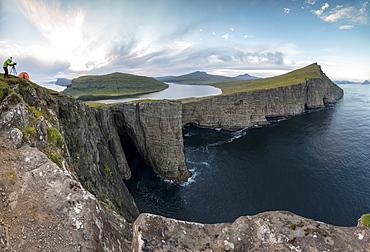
x: 63, y: 169
x: 112, y: 86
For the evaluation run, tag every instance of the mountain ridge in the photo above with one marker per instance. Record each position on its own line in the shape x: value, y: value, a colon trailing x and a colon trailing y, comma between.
x: 201, y: 77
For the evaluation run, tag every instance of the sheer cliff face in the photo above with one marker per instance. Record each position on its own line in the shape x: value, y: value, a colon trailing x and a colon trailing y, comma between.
x: 156, y: 130
x: 80, y: 139
x: 246, y: 109
x: 96, y: 153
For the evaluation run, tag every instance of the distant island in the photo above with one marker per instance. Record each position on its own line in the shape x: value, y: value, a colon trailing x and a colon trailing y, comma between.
x: 350, y: 82
x: 112, y: 86
x: 247, y: 77
x: 63, y: 82
x: 199, y: 77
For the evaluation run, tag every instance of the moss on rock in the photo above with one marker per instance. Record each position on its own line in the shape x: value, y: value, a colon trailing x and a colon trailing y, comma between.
x: 54, y: 137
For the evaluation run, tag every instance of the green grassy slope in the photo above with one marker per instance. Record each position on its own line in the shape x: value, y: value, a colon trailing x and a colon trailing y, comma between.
x: 112, y: 86
x: 294, y: 77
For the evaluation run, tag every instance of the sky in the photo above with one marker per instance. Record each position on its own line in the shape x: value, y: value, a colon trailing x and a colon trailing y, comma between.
x: 52, y: 39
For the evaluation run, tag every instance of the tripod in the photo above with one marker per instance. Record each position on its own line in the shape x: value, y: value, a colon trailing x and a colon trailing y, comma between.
x: 13, y: 70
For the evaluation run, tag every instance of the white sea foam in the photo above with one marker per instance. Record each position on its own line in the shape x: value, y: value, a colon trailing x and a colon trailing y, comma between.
x: 234, y: 135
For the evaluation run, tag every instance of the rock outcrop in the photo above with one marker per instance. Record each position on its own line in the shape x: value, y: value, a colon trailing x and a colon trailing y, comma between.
x: 43, y: 208
x: 268, y: 231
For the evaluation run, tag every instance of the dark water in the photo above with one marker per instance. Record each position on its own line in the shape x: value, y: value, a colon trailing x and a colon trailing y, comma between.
x: 316, y: 165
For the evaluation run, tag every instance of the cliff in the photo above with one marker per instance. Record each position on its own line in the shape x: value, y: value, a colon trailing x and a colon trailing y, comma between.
x: 44, y: 206
x: 64, y: 167
x: 245, y: 109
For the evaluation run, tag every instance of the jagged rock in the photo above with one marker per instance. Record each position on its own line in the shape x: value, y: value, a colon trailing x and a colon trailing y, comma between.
x: 80, y: 139
x: 16, y: 136
x: 268, y: 231
x: 14, y: 116
x: 44, y: 209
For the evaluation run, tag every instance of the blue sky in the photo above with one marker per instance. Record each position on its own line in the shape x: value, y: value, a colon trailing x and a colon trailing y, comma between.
x: 52, y: 39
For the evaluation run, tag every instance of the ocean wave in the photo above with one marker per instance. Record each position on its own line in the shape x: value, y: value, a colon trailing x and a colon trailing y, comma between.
x: 233, y: 136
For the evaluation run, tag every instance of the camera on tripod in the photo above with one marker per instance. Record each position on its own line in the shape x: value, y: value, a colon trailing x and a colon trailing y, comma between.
x: 13, y: 70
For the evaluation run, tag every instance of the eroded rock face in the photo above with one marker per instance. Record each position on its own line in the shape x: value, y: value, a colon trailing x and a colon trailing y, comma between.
x: 246, y: 109
x: 269, y: 231
x: 96, y: 153
x: 156, y: 130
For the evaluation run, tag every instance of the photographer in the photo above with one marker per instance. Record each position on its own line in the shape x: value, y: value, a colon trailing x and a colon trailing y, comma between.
x: 7, y: 63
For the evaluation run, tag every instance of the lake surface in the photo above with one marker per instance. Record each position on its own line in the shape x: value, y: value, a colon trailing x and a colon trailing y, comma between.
x: 174, y: 91
x: 316, y: 165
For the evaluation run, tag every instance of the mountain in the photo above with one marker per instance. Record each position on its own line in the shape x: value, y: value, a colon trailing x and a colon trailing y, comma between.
x: 63, y: 82
x: 163, y: 77
x: 111, y: 86
x: 247, y: 77
x: 199, y: 77
x: 345, y: 82
x: 366, y: 82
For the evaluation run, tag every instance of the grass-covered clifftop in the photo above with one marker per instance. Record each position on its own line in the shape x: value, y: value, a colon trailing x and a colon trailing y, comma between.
x: 114, y: 85
x: 291, y: 78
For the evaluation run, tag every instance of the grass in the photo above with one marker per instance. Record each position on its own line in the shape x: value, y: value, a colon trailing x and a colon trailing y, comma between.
x: 54, y: 137
x: 294, y: 77
x: 365, y: 219
x: 96, y: 104
x: 12, y: 176
x: 37, y: 112
x: 54, y: 157
x: 112, y: 85
x: 108, y: 170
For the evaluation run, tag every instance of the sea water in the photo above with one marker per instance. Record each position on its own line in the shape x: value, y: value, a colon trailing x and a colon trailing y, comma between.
x: 316, y: 165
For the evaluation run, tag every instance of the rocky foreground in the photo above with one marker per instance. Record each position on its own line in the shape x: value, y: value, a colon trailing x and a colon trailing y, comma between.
x: 63, y: 172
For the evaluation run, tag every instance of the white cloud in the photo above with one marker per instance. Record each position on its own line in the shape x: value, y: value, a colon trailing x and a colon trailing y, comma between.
x: 182, y: 45
x: 349, y: 14
x: 226, y: 36
x: 345, y: 27
x: 323, y: 8
x: 231, y: 28
x: 286, y: 10
x: 70, y: 39
x: 247, y: 36
x: 311, y: 1
x: 338, y: 13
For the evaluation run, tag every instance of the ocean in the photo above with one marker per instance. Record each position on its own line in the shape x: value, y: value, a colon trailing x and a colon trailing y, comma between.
x: 316, y: 165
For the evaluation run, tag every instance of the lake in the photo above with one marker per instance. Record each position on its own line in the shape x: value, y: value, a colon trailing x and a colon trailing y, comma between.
x: 316, y: 165
x: 174, y: 91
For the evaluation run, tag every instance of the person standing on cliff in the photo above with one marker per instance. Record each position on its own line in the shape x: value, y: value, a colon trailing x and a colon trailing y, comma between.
x: 7, y: 63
